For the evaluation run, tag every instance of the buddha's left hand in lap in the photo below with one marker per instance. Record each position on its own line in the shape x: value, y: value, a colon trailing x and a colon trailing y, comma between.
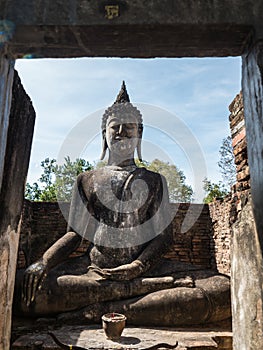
x: 123, y: 272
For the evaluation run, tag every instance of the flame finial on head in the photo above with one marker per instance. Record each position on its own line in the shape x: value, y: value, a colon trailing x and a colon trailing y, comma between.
x: 122, y: 107
x: 122, y: 95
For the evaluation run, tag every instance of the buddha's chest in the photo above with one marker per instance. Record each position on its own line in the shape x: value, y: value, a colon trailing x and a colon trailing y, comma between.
x: 120, y: 192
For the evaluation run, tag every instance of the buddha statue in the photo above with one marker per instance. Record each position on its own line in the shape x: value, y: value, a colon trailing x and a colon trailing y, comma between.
x: 124, y: 213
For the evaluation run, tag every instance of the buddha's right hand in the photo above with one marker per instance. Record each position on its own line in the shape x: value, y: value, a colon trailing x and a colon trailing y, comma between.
x: 33, y: 278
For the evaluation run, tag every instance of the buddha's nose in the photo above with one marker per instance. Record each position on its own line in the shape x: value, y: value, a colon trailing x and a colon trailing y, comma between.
x: 121, y: 130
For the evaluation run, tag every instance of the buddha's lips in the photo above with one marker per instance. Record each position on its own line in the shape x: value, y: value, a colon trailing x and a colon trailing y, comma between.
x: 118, y: 138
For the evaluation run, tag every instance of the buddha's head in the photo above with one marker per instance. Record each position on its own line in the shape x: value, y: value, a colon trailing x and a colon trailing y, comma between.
x: 122, y: 127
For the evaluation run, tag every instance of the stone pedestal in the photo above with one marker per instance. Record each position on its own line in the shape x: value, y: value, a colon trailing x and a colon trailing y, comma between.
x: 93, y: 337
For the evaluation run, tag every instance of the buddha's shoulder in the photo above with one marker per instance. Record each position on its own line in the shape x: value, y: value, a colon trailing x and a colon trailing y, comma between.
x: 95, y: 175
x: 104, y: 173
x: 150, y: 176
x: 89, y: 175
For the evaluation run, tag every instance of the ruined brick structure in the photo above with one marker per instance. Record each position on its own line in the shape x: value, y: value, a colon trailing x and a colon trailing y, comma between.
x: 207, y: 243
x: 160, y: 28
x: 239, y: 141
x: 224, y: 213
x: 142, y: 29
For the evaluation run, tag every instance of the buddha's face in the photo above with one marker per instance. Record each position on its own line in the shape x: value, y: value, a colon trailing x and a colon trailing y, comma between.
x: 122, y: 135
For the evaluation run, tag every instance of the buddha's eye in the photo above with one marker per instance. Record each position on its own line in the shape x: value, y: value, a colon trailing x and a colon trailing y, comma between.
x: 130, y: 126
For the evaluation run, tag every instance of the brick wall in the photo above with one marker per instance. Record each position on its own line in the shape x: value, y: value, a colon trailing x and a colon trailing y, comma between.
x: 239, y: 142
x: 225, y: 212
x: 220, y: 213
x: 193, y: 246
x: 42, y: 224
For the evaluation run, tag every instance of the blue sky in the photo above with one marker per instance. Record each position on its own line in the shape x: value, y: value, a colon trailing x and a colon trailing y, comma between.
x: 184, y: 102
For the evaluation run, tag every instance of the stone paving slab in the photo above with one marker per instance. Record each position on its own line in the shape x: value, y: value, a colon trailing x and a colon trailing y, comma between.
x: 93, y: 337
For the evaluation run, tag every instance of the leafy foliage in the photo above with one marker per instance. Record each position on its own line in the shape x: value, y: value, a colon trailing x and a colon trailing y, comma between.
x: 178, y: 190
x: 228, y: 171
x: 57, y: 180
x: 33, y: 192
x: 227, y: 162
x: 214, y: 190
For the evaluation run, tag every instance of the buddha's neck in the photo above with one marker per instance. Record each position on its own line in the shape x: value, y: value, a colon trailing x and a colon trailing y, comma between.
x: 118, y: 161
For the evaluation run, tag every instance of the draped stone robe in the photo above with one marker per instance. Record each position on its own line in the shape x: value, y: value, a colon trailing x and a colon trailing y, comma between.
x: 124, y: 213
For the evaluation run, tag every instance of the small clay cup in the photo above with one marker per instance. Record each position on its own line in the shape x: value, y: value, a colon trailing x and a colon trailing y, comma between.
x: 113, y: 325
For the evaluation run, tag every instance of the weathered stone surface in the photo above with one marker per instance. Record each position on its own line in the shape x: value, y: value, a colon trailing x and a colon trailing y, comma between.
x: 239, y: 142
x: 143, y: 41
x: 44, y: 222
x: 8, y: 238
x: 41, y: 222
x: 124, y: 212
x: 92, y: 337
x: 232, y: 37
x: 63, y: 12
x: 246, y: 283
x: 6, y: 81
x: 20, y: 132
x: 221, y: 234
x: 253, y: 107
x: 234, y: 217
x: 248, y: 238
x: 139, y: 29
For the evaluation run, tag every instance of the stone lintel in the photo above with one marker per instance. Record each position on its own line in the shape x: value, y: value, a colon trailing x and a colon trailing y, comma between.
x: 129, y: 40
x: 122, y: 12
x: 138, y: 28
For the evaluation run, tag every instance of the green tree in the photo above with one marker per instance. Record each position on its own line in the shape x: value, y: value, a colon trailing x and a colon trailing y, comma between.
x: 179, y: 191
x: 227, y: 162
x: 48, y: 191
x: 214, y: 190
x: 228, y: 171
x: 56, y: 181
x: 33, y: 192
x: 66, y: 175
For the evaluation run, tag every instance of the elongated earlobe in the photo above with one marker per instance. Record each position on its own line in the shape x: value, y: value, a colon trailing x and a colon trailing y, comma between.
x: 104, y: 145
x: 139, y: 149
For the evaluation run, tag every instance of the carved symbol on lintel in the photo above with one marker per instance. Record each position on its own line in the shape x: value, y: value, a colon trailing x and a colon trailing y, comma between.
x: 112, y: 11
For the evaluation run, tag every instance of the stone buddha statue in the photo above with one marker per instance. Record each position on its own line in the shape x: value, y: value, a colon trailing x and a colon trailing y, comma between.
x: 124, y: 212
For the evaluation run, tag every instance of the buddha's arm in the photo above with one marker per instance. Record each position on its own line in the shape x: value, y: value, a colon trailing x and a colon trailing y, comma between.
x: 60, y: 250
x: 79, y: 224
x: 36, y: 272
